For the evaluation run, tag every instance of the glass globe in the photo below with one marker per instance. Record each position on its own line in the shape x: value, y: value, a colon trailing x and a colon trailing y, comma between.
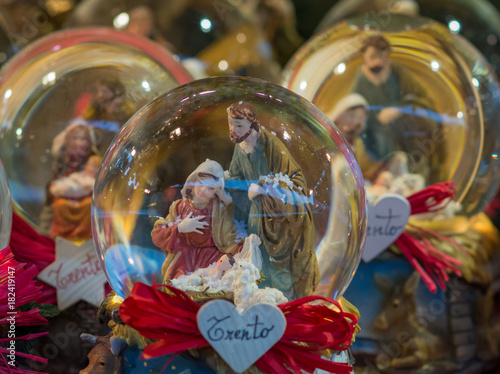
x: 476, y: 20
x: 433, y: 109
x: 218, y: 165
x: 63, y: 99
x: 5, y: 210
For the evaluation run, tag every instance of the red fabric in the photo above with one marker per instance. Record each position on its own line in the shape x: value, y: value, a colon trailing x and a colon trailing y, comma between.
x: 29, y: 318
x: 32, y: 248
x: 25, y: 290
x: 29, y: 246
x: 6, y: 368
x: 493, y: 208
x: 197, y: 250
x: 432, y: 198
x: 432, y: 265
x: 22, y: 285
x: 170, y: 318
x: 310, y: 328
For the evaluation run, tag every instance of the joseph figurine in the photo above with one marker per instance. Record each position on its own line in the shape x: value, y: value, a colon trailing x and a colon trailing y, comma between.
x: 280, y: 215
x: 402, y: 116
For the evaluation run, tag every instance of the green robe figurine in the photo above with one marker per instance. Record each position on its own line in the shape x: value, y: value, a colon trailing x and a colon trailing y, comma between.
x: 412, y: 131
x: 282, y: 219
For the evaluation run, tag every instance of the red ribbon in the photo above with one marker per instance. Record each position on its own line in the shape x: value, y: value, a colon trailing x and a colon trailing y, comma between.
x: 432, y: 264
x: 25, y: 291
x: 7, y: 368
x: 32, y: 248
x: 170, y: 317
x: 22, y: 286
x: 29, y: 246
x: 432, y: 198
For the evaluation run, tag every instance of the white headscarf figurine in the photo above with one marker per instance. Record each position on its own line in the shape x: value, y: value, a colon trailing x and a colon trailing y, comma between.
x: 352, y: 100
x: 208, y: 168
x: 59, y: 142
x: 250, y: 251
x: 349, y: 121
x: 209, y: 176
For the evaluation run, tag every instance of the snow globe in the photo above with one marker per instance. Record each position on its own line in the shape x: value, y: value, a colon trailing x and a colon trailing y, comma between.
x: 10, y: 43
x: 226, y: 189
x: 5, y: 210
x: 419, y: 106
x: 477, y: 21
x: 435, y: 108
x: 64, y: 98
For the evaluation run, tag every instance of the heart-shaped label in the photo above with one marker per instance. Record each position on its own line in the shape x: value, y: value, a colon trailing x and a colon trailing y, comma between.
x: 387, y: 219
x: 241, y: 339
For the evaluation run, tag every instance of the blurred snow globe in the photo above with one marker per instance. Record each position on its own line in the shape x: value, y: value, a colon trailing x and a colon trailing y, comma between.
x: 476, y: 20
x: 226, y: 183
x: 63, y: 99
x: 224, y: 37
x: 5, y: 210
x: 10, y: 42
x: 418, y: 104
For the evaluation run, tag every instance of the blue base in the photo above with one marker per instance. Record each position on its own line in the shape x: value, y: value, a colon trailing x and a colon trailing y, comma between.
x: 179, y: 365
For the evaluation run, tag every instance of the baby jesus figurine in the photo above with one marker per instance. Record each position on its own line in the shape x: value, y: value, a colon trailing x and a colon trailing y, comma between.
x: 78, y: 184
x: 72, y: 202
x: 198, y: 229
x: 235, y: 278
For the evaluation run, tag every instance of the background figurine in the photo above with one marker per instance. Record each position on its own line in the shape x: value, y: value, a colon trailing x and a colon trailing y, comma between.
x: 107, y: 110
x: 71, y: 149
x: 391, y: 175
x: 108, y: 103
x: 198, y: 229
x: 142, y: 22
x: 78, y: 184
x: 394, y: 95
x: 72, y: 200
x: 276, y: 207
x: 400, y: 323
x: 101, y: 359
x: 350, y: 115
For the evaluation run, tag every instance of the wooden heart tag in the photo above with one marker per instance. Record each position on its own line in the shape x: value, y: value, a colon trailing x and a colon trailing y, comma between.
x: 241, y: 339
x: 387, y: 219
